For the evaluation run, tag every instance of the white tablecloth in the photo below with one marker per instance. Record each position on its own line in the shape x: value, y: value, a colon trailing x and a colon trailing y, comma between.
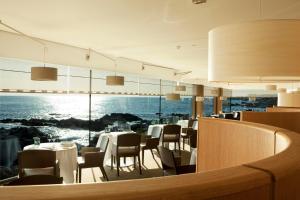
x: 67, y: 157
x: 193, y: 156
x: 183, y: 123
x: 112, y: 140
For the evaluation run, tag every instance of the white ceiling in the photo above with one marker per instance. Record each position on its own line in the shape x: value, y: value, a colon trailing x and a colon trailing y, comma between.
x: 171, y: 33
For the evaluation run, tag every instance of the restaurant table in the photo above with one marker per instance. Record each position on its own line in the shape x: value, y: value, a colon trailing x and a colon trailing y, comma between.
x: 113, y: 136
x: 67, y: 157
x: 183, y: 123
x: 9, y: 148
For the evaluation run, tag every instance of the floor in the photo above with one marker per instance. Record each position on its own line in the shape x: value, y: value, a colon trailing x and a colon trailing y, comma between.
x: 151, y: 168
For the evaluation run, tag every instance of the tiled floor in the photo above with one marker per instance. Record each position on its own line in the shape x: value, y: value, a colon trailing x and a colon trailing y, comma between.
x: 151, y: 168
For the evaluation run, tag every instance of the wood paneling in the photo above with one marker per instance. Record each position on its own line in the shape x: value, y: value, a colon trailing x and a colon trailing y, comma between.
x: 227, y: 143
x: 285, y: 166
x: 286, y: 120
x: 282, y: 109
x: 223, y: 184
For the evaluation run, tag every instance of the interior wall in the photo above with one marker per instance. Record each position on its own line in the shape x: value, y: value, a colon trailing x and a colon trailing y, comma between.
x: 286, y: 120
x: 225, y: 143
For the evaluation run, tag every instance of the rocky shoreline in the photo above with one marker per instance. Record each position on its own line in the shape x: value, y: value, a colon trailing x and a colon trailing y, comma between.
x: 73, y: 123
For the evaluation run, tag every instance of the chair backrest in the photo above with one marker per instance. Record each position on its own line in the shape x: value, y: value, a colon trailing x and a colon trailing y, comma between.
x: 172, y: 129
x: 129, y: 140
x: 167, y: 158
x: 85, y: 150
x: 104, y: 143
x: 193, y: 140
x: 36, y: 180
x: 156, y: 132
x: 190, y: 123
x: 36, y: 159
x: 94, y: 159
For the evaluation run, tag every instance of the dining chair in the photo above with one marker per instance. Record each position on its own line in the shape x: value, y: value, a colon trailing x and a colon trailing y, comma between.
x: 35, y: 162
x: 171, y: 133
x: 187, y: 132
x: 171, y: 166
x: 128, y: 145
x: 92, y: 157
x: 36, y: 180
x: 152, y: 142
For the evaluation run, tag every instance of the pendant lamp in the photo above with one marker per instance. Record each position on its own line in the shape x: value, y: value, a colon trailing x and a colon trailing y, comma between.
x: 43, y: 74
x: 271, y: 87
x: 173, y: 97
x: 180, y: 88
x: 114, y: 80
x: 255, y: 51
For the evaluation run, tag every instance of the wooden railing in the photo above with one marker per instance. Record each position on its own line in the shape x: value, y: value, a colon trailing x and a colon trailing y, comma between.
x: 236, y: 160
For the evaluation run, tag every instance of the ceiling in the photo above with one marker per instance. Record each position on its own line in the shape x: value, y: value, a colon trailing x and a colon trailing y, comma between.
x: 171, y: 33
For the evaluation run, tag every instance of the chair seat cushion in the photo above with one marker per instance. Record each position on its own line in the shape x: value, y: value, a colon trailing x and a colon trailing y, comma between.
x: 39, y: 171
x: 184, y: 135
x: 80, y: 160
x: 170, y: 138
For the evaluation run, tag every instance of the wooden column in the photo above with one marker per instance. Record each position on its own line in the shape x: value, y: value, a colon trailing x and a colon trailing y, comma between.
x: 218, y: 101
x: 198, y: 91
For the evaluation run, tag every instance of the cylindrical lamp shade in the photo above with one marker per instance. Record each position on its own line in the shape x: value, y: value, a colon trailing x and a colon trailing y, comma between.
x: 289, y: 99
x: 271, y: 87
x: 115, y: 80
x: 281, y: 90
x: 180, y: 88
x: 173, y: 97
x: 43, y: 74
x: 255, y: 51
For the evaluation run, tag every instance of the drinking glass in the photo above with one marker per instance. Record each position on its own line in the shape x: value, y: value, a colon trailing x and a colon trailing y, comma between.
x: 36, y: 141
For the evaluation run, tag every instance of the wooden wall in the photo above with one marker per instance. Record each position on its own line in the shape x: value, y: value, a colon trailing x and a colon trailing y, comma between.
x: 282, y: 109
x: 225, y: 143
x: 286, y: 120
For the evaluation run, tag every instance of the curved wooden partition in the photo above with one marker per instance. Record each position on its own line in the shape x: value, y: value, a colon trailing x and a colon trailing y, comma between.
x: 243, y: 153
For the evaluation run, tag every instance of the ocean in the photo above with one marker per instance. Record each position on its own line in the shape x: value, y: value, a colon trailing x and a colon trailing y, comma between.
x: 77, y: 106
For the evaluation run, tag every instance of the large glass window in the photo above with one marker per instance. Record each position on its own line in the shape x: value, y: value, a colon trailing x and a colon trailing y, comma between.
x: 208, y: 106
x: 58, y: 111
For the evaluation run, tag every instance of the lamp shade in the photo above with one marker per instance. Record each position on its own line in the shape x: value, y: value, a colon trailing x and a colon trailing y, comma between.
x: 281, y: 90
x: 271, y: 87
x: 255, y: 51
x: 43, y: 74
x: 172, y: 97
x: 115, y: 80
x: 180, y: 88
